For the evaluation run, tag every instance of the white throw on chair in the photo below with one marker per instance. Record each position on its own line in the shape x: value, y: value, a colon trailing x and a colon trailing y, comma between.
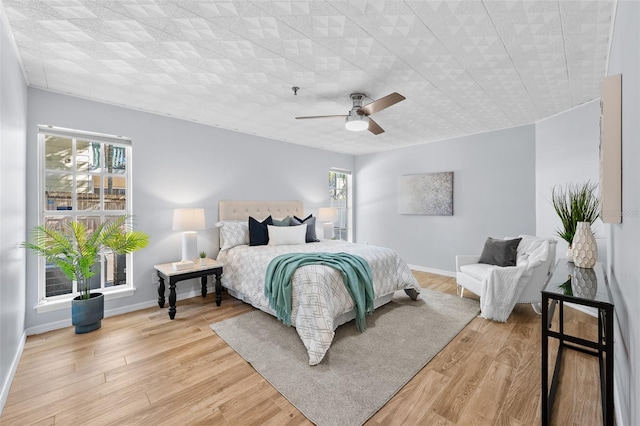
x: 501, y: 287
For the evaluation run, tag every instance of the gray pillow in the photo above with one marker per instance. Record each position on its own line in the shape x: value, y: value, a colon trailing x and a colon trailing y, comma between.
x: 284, y: 222
x: 500, y: 252
x: 311, y: 227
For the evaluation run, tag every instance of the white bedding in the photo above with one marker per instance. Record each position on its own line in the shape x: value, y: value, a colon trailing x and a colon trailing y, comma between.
x: 319, y: 294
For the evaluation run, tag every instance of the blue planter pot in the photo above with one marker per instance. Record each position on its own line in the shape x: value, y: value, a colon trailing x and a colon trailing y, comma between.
x: 87, y: 314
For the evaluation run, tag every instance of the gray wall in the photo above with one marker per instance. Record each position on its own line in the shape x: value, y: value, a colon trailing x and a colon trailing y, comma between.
x: 13, y: 117
x: 176, y: 164
x: 567, y: 151
x: 494, y: 195
x: 624, y: 239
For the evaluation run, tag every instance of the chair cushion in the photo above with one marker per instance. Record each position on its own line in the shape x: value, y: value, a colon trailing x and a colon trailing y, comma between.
x: 478, y: 271
x: 500, y: 252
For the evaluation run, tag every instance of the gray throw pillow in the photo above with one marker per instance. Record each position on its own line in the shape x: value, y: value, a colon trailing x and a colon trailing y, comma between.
x: 500, y: 252
x: 284, y: 222
x: 311, y: 227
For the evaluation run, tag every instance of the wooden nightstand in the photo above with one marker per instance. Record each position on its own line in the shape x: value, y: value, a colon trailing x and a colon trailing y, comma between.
x: 166, y: 272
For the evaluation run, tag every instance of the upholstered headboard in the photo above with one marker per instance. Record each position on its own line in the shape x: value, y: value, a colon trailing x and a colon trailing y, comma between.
x: 242, y: 209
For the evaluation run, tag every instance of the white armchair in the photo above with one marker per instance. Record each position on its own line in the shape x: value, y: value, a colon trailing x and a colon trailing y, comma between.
x: 470, y: 274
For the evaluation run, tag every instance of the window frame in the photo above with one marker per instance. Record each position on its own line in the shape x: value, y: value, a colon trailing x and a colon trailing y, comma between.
x: 49, y: 303
x: 348, y: 202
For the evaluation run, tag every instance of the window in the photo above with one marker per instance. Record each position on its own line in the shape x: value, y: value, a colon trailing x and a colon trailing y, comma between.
x: 84, y: 177
x: 340, y: 197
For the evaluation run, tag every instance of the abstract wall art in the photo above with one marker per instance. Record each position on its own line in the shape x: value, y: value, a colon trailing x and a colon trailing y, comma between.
x: 426, y: 194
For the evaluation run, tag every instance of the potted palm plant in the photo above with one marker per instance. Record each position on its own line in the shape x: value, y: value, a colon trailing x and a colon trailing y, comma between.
x: 74, y: 250
x: 575, y: 203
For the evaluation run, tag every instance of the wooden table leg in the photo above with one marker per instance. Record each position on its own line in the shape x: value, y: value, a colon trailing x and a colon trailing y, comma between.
x: 160, y: 291
x: 172, y: 299
x: 203, y: 280
x: 218, y: 274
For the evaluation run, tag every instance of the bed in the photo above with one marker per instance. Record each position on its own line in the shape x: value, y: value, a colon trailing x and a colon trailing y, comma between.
x: 320, y: 300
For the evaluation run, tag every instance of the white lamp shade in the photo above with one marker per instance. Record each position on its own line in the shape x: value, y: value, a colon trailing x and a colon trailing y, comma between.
x: 327, y: 214
x: 188, y: 219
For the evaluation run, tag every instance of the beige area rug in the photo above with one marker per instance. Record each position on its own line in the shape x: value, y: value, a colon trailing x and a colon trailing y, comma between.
x: 361, y: 371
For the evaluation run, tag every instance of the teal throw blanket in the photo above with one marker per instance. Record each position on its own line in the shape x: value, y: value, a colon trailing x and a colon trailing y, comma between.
x: 355, y: 272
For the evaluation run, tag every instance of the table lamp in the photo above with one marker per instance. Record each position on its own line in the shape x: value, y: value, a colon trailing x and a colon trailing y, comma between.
x: 189, y: 221
x: 328, y: 215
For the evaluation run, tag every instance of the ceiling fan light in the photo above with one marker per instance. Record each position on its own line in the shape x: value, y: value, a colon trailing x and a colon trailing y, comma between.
x: 357, y: 123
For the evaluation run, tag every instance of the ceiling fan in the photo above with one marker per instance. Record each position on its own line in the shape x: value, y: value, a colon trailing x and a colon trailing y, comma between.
x: 358, y: 117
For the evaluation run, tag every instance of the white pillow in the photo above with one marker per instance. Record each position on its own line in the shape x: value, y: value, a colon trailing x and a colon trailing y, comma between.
x: 233, y: 233
x: 287, y: 235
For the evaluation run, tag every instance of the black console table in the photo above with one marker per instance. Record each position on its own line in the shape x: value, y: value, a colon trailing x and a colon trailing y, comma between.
x: 586, y: 287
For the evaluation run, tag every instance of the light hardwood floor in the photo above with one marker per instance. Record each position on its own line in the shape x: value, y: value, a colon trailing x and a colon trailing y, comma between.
x: 142, y: 368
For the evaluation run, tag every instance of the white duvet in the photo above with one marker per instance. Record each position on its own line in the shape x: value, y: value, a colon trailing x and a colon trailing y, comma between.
x: 319, y: 294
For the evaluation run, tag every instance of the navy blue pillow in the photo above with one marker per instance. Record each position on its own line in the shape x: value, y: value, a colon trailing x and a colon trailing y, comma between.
x: 310, y: 237
x: 258, y: 231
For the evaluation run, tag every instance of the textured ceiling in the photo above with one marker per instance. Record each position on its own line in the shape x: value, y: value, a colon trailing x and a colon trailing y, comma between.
x: 464, y: 66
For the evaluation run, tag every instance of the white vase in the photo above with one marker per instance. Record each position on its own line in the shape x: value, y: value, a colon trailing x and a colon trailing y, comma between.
x: 569, y: 254
x: 585, y: 249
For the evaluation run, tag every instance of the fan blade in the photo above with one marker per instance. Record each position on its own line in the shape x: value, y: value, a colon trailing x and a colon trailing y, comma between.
x: 374, y: 127
x: 381, y: 104
x: 320, y: 116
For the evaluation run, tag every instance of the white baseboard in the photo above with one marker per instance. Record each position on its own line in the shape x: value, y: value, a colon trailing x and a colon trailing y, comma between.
x: 56, y: 325
x: 432, y: 270
x: 138, y: 306
x: 12, y: 372
x: 50, y: 326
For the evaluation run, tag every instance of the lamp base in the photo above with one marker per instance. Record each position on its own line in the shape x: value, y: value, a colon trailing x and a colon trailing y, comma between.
x: 328, y: 230
x: 189, y: 246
